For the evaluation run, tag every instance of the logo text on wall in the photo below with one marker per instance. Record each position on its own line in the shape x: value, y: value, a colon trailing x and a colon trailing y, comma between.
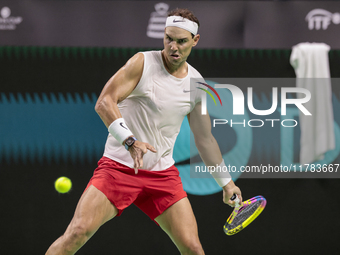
x: 320, y: 19
x: 8, y: 22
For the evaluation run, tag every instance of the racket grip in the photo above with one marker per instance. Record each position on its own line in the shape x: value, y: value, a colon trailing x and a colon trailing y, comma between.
x: 236, y: 200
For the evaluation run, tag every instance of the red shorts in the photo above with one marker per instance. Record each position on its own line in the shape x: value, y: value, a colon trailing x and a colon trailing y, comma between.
x: 151, y: 191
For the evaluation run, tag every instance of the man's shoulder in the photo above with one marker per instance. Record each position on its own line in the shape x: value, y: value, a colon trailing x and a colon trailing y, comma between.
x: 142, y: 55
x: 135, y: 61
x: 152, y: 57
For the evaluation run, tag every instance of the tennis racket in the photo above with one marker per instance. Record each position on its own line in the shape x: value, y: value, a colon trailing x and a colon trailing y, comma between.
x: 243, y: 214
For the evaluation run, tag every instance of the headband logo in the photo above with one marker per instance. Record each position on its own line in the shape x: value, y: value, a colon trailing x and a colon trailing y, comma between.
x: 174, y: 21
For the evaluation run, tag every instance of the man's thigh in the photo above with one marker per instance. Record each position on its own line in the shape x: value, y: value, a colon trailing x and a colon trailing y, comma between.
x: 161, y: 190
x: 93, y: 210
x: 179, y: 222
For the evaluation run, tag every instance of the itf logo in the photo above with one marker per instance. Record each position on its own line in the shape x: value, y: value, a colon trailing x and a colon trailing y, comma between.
x: 320, y: 18
x: 6, y: 21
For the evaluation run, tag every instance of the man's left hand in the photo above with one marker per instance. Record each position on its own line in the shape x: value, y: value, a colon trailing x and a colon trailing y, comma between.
x: 228, y: 191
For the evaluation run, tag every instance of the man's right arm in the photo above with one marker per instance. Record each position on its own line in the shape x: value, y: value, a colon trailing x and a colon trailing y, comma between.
x: 121, y: 84
x: 115, y: 91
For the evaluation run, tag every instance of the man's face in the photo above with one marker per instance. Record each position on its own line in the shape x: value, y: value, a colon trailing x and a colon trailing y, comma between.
x: 177, y: 44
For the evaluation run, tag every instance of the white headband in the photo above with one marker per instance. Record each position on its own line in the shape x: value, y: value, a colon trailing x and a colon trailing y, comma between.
x: 178, y: 21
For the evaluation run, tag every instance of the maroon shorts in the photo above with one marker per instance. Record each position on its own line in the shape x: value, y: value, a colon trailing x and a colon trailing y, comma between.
x: 151, y: 191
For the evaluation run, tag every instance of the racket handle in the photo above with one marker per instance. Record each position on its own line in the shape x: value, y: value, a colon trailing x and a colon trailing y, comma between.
x: 236, y: 200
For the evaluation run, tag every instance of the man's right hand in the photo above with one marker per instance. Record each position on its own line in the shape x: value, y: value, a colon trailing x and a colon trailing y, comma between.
x: 137, y: 151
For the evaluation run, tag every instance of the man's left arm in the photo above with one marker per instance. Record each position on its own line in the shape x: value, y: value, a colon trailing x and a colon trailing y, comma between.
x: 209, y: 150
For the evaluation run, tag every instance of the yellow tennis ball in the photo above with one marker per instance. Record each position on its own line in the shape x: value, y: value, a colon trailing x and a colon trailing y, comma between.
x: 63, y: 184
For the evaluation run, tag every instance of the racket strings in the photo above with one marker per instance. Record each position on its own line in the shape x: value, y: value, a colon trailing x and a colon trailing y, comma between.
x: 244, y: 214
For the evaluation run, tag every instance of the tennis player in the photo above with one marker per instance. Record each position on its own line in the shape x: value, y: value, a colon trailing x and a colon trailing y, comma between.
x: 143, y: 106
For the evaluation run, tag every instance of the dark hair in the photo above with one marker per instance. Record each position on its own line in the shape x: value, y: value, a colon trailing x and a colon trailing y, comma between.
x: 185, y: 13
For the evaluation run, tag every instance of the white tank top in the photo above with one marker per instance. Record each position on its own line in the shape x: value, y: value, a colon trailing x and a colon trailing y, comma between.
x: 154, y: 112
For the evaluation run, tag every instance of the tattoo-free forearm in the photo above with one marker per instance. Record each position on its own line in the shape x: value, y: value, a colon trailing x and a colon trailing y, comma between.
x: 209, y: 150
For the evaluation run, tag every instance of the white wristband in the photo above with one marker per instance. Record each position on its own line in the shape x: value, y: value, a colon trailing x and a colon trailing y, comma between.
x: 119, y: 130
x: 221, y: 174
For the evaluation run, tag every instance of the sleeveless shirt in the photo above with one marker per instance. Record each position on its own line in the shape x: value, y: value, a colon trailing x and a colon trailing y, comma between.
x: 154, y: 112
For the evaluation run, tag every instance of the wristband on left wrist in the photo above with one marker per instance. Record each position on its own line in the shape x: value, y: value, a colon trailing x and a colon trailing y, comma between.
x: 222, y: 178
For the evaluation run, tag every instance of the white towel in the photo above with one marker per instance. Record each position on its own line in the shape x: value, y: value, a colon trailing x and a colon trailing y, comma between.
x: 310, y: 61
